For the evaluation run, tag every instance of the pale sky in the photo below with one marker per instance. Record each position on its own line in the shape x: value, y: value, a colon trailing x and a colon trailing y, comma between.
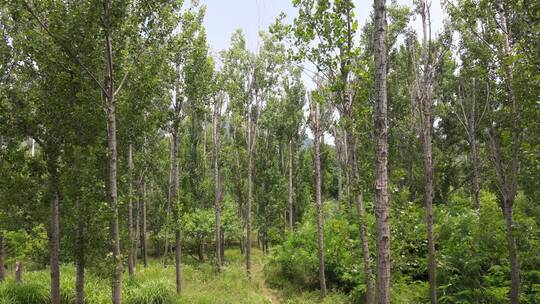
x: 225, y: 16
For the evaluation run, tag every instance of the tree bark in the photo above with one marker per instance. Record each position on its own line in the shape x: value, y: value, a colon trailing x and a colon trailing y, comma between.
x: 111, y: 140
x: 79, y: 280
x: 370, y: 294
x: 2, y: 269
x: 131, y: 255
x: 381, y: 156
x: 169, y: 204
x: 291, y: 223
x: 508, y: 181
x: 55, y: 245
x: 18, y: 272
x: 316, y: 116
x: 250, y: 190
x: 174, y: 194
x: 217, y: 181
x: 144, y: 238
x: 424, y: 102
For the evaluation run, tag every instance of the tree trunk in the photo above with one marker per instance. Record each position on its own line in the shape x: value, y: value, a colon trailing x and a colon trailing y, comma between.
x: 174, y: 194
x: 291, y: 223
x: 370, y: 294
x: 381, y: 156
x: 428, y: 173
x: 111, y: 140
x: 424, y: 102
x: 347, y: 178
x: 476, y: 175
x: 144, y: 238
x: 155, y: 223
x: 2, y: 269
x: 55, y: 246
x: 79, y: 255
x: 318, y: 198
x: 18, y: 272
x: 217, y: 181
x: 250, y: 194
x: 512, y: 250
x: 169, y: 203
x: 177, y: 261
x: 131, y: 257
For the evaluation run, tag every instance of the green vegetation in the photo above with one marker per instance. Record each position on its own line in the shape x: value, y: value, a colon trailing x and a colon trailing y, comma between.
x: 340, y: 161
x: 155, y: 285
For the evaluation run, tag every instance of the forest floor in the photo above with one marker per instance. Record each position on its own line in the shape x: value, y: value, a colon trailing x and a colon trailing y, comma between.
x: 201, y: 284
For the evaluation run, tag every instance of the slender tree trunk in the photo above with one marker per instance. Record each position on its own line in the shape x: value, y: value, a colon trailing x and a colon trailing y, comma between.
x: 291, y: 223
x: 79, y: 280
x: 131, y: 258
x: 424, y: 102
x: 241, y: 217
x: 155, y: 222
x: 18, y: 272
x: 55, y: 246
x: 217, y: 182
x: 381, y: 156
x: 428, y: 173
x: 512, y: 252
x: 340, y: 177
x: 144, y: 238
x: 178, y: 255
x: 370, y: 293
x: 2, y: 269
x: 250, y: 193
x: 175, y: 194
x: 476, y: 175
x: 169, y: 203
x: 509, y: 182
x: 347, y: 177
x: 111, y: 139
x: 472, y: 124
x: 318, y: 195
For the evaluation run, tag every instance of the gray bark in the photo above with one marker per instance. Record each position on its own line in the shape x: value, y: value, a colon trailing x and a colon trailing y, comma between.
x: 315, y: 116
x: 217, y: 180
x: 291, y: 223
x: 144, y: 238
x: 381, y: 156
x: 111, y: 140
x: 131, y: 254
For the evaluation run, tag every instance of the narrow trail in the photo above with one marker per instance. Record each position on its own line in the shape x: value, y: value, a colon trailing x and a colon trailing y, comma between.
x: 272, y: 295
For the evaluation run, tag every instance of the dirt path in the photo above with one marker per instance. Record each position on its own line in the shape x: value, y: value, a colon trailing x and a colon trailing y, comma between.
x: 272, y: 295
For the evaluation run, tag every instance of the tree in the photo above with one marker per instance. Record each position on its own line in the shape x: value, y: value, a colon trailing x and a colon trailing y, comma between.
x: 317, y: 127
x: 423, y: 95
x: 381, y: 156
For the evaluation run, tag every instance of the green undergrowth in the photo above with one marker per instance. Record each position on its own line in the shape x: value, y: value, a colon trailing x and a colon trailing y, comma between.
x: 156, y: 285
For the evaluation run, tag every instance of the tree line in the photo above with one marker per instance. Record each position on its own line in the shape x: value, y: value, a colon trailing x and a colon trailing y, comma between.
x: 120, y: 131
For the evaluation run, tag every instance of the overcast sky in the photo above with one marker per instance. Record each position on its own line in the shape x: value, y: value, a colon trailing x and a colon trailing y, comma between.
x: 225, y: 16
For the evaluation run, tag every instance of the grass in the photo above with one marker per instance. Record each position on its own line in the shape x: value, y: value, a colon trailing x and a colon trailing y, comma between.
x: 201, y: 284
